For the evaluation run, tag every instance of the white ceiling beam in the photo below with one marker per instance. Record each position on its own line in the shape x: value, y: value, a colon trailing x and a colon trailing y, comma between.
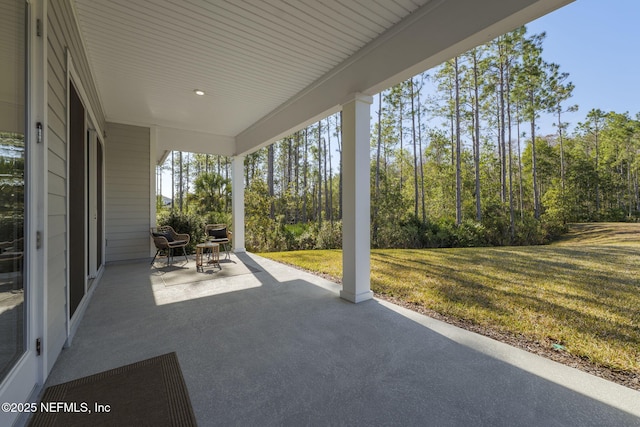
x: 194, y: 141
x: 431, y: 35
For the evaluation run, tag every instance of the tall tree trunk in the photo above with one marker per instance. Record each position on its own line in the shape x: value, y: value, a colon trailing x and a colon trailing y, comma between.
x: 297, y: 177
x: 270, y: 160
x: 180, y: 183
x: 319, y: 206
x: 305, y: 168
x: 636, y: 188
x: 330, y: 177
x: 503, y: 163
x: 401, y: 125
x: 512, y: 219
x: 630, y: 200
x: 534, y: 170
x: 326, y: 174
x: 226, y: 168
x: 452, y: 118
x: 341, y: 164
x: 476, y: 138
x: 415, y: 154
x: 520, y: 164
x: 289, y: 162
x: 420, y: 152
x: 285, y: 190
x: 499, y: 142
x: 247, y: 160
x: 597, y: 175
x: 562, y: 179
x: 376, y: 196
x: 173, y: 180
x: 458, y: 148
x: 186, y: 190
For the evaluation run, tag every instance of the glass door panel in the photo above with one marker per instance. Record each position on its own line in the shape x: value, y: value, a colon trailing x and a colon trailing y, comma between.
x: 12, y: 182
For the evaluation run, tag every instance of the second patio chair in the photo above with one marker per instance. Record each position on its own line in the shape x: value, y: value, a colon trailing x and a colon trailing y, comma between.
x: 220, y: 234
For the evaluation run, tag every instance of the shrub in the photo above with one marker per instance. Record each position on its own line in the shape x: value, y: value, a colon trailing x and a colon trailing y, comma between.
x: 616, y: 214
x: 191, y: 224
x: 442, y: 234
x: 277, y: 237
x: 265, y: 234
x: 471, y: 233
x: 388, y: 237
x: 496, y: 223
x: 528, y: 231
x: 307, y: 240
x: 411, y: 233
x: 218, y: 218
x: 552, y: 228
x: 329, y: 236
x: 294, y: 233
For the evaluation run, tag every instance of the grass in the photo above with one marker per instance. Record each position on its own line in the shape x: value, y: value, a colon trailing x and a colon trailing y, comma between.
x: 582, y: 292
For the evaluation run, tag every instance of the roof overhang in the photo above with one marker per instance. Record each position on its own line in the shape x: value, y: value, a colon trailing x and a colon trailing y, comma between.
x: 254, y: 102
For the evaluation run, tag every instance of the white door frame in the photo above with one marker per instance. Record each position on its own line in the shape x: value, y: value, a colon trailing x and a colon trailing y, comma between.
x: 93, y: 126
x: 92, y: 206
x: 24, y: 382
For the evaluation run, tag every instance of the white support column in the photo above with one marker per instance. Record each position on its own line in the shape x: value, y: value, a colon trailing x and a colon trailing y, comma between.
x: 237, y: 203
x: 356, y: 199
x: 153, y: 178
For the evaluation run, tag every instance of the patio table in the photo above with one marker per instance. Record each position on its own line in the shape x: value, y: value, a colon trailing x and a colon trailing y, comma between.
x: 213, y: 249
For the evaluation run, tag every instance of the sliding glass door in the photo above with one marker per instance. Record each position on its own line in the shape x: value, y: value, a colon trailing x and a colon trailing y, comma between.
x: 12, y: 182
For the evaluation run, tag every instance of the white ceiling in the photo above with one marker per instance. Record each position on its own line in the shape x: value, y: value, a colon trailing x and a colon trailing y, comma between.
x: 269, y: 66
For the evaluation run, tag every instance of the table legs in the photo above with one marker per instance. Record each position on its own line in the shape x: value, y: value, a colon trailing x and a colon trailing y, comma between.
x: 214, y: 256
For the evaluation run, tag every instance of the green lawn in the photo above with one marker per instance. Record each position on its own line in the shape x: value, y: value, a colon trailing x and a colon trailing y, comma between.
x: 582, y: 292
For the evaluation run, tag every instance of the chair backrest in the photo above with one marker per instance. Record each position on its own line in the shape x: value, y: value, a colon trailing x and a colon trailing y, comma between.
x: 216, y: 231
x: 159, y: 238
x: 172, y: 237
x: 168, y: 230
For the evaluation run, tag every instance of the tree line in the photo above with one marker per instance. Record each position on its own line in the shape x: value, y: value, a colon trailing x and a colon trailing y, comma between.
x: 457, y: 159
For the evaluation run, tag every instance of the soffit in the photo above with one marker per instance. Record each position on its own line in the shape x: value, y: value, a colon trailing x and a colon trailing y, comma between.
x: 249, y: 57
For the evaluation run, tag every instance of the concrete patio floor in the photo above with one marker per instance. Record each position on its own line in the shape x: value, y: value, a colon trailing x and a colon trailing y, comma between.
x: 277, y: 346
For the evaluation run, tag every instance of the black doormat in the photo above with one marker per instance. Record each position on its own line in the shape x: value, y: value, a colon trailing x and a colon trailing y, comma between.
x: 151, y: 392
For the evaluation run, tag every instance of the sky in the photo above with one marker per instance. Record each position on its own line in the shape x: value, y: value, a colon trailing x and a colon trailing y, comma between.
x: 596, y: 42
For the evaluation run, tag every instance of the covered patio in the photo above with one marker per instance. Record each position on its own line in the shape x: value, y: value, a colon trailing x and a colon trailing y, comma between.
x: 273, y: 345
x: 110, y: 87
x: 228, y: 78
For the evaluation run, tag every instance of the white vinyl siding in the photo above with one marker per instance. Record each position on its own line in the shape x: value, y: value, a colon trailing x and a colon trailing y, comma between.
x: 128, y: 189
x: 62, y: 33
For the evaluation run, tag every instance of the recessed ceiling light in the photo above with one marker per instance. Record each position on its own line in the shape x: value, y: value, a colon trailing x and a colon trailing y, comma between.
x: 199, y: 92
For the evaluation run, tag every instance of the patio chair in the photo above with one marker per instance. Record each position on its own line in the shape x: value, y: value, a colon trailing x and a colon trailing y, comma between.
x: 220, y: 234
x: 165, y: 238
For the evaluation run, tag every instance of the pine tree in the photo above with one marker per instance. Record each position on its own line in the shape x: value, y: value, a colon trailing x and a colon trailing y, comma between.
x: 458, y: 144
x: 560, y: 92
x: 533, y: 88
